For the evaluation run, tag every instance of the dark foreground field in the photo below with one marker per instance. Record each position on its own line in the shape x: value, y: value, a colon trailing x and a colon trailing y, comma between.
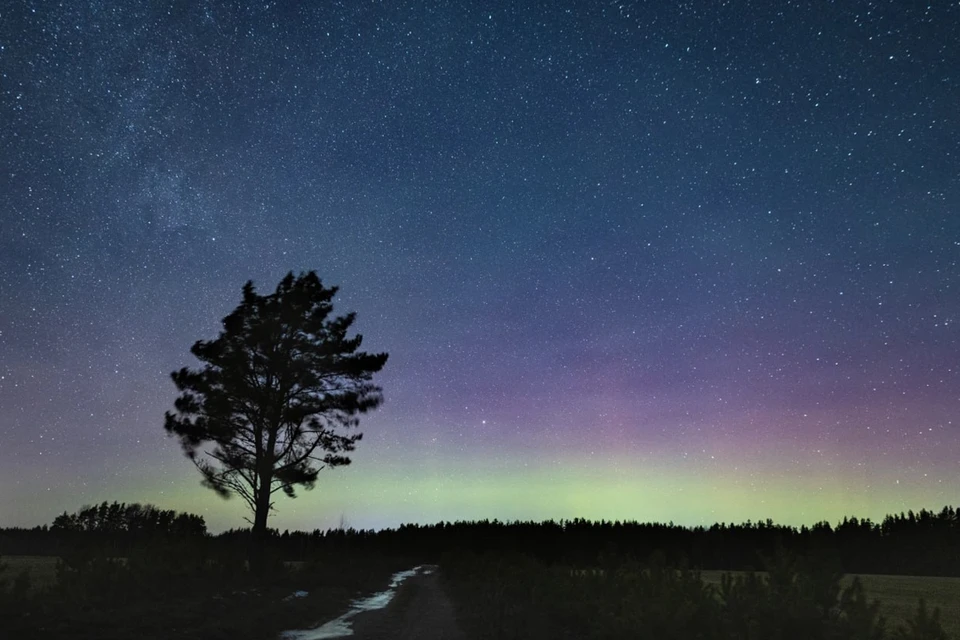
x: 899, y: 595
x: 798, y: 599
x: 502, y: 597
x: 114, y: 599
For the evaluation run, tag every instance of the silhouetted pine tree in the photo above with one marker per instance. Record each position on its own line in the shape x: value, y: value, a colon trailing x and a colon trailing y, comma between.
x: 278, y: 394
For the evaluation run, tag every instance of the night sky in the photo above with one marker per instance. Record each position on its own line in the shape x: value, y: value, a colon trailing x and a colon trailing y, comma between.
x: 690, y: 262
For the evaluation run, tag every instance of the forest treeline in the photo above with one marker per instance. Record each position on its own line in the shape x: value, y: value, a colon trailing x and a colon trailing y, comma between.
x: 130, y: 519
x: 912, y: 543
x: 110, y: 529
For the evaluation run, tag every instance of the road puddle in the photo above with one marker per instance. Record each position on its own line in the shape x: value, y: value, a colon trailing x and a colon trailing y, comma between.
x: 341, y: 627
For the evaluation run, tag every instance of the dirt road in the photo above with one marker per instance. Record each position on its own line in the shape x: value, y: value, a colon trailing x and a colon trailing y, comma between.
x: 421, y: 610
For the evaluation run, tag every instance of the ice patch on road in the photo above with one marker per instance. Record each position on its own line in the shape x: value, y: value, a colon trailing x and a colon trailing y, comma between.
x: 341, y: 627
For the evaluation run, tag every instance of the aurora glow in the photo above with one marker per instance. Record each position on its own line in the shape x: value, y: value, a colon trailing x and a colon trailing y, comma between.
x: 690, y: 263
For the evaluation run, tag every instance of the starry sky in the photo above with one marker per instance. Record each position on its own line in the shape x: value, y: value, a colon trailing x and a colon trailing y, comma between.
x: 659, y: 261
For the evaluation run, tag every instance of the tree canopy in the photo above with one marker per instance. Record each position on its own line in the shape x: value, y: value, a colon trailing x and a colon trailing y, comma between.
x: 119, y: 517
x: 278, y: 396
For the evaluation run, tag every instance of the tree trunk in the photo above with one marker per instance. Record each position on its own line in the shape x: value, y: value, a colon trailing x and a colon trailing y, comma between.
x: 259, y: 537
x: 258, y: 556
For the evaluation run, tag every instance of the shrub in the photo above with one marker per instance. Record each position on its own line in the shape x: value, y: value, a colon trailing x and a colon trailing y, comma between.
x: 923, y: 626
x: 515, y: 596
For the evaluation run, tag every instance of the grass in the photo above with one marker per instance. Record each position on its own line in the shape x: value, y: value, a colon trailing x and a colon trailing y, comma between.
x: 899, y: 595
x: 216, y: 607
x: 41, y: 569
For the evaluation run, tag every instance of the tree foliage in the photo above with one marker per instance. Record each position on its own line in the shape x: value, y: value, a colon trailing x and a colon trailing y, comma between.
x: 278, y: 396
x: 118, y: 517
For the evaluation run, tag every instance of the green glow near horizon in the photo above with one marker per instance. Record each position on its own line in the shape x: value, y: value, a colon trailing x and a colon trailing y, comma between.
x: 571, y: 489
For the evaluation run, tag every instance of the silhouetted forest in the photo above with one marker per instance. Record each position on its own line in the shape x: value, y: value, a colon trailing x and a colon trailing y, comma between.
x: 131, y: 520
x: 911, y: 543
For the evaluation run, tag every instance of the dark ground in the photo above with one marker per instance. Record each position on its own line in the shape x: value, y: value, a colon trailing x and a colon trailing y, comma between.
x: 421, y: 610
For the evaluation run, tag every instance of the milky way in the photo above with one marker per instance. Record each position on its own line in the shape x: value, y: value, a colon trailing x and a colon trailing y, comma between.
x: 689, y: 262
